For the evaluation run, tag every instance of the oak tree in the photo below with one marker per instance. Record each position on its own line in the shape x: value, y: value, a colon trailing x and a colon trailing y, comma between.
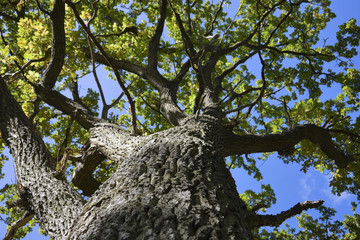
x: 153, y: 163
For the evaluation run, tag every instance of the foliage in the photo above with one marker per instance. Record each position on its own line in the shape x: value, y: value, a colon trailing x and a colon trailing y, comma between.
x: 323, y: 227
x: 272, y: 78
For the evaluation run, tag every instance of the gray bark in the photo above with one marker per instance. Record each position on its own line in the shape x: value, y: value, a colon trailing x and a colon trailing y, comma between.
x: 171, y: 185
x: 55, y: 203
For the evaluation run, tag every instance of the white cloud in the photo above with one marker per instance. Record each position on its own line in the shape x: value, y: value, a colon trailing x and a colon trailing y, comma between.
x: 307, y: 186
x: 335, y: 200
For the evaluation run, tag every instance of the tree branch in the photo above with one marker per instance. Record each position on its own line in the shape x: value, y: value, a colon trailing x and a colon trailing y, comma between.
x: 211, y: 28
x: 119, y: 64
x: 229, y: 70
x: 131, y: 29
x: 85, y: 166
x: 9, y: 17
x: 77, y: 111
x: 109, y: 61
x: 188, y: 43
x: 26, y: 217
x: 154, y: 42
x: 257, y: 220
x: 35, y: 169
x: 254, y: 31
x: 22, y: 68
x: 284, y: 143
x: 52, y: 71
x: 166, y: 88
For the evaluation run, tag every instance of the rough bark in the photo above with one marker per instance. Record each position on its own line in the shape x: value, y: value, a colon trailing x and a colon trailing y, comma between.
x: 54, y: 202
x: 173, y: 185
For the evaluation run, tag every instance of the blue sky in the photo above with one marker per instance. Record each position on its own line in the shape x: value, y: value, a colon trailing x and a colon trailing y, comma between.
x: 290, y: 185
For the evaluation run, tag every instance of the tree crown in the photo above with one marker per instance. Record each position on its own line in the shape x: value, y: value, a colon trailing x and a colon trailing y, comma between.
x: 261, y: 67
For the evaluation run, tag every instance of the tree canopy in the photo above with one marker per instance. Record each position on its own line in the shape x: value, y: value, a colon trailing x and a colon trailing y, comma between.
x: 260, y: 66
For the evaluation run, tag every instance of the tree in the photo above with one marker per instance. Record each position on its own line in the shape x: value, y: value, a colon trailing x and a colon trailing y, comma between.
x: 157, y: 166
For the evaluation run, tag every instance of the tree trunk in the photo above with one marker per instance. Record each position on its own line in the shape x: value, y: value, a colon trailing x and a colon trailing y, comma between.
x: 173, y: 185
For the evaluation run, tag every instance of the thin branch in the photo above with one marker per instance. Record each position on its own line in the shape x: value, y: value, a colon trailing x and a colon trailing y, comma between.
x: 281, y: 22
x: 131, y: 29
x: 263, y: 87
x: 274, y: 49
x: 258, y: 206
x: 254, y: 31
x: 228, y: 28
x: 226, y: 72
x: 76, y: 96
x: 331, y: 75
x: 287, y: 115
x: 26, y: 217
x: 23, y: 67
x: 9, y: 17
x: 121, y: 65
x: 150, y: 106
x: 41, y: 8
x: 348, y: 133
x: 257, y: 220
x: 102, y: 96
x: 106, y: 108
x: 188, y: 14
x: 188, y: 43
x: 211, y: 28
x: 109, y: 61
x: 232, y: 94
x: 15, y: 61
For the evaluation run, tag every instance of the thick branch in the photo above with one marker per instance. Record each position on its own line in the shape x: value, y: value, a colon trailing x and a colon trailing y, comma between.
x: 85, y: 166
x: 57, y: 46
x: 166, y: 88
x: 35, y: 169
x: 119, y: 64
x: 283, y: 142
x: 155, y: 40
x: 77, y: 111
x: 257, y: 220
